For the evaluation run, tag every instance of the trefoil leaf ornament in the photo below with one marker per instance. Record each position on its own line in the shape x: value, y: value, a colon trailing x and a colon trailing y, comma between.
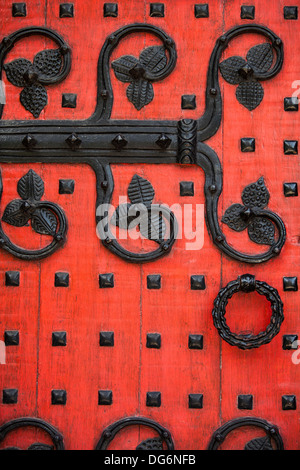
x: 129, y: 69
x: 246, y: 73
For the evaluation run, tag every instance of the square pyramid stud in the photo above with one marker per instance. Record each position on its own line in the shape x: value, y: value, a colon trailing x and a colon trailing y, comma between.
x: 289, y: 402
x: 110, y: 9
x: 290, y: 147
x: 290, y: 283
x: 153, y: 341
x: 157, y: 10
x: 107, y: 338
x: 12, y: 338
x: 196, y: 400
x: 105, y: 397
x: 195, y: 342
x: 106, y: 280
x: 153, y: 399
x: 188, y: 102
x: 289, y: 342
x: 19, y: 10
x: 69, y: 100
x: 245, y: 402
x: 248, y: 144
x: 186, y: 188
x: 66, y: 10
x: 201, y: 10
x: 290, y: 13
x: 198, y: 282
x: 66, y: 186
x: 154, y: 281
x: 290, y: 104
x: 58, y: 397
x: 59, y: 338
x: 61, y: 280
x: 12, y: 278
x: 290, y: 189
x: 10, y: 396
x: 247, y: 12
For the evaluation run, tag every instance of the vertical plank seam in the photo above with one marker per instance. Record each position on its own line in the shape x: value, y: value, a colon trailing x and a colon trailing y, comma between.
x: 222, y: 207
x: 141, y: 345
x: 141, y: 292
x: 39, y: 279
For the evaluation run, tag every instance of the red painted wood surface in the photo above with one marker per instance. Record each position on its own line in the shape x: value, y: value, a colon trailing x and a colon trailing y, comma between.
x: 36, y: 308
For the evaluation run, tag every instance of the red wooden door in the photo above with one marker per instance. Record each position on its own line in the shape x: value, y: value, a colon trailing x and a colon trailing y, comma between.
x: 111, y: 343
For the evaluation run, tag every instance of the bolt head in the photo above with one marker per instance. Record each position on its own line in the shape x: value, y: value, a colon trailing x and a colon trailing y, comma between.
x: 137, y: 71
x: 186, y: 160
x: 111, y: 39
x: 246, y: 71
x: 246, y: 214
x: 30, y: 76
x: 64, y: 49
x: 26, y: 205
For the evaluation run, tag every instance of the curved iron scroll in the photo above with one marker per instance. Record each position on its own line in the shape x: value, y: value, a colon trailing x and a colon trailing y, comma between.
x: 208, y: 160
x: 247, y: 283
x: 49, y: 67
x: 105, y: 92
x: 262, y: 443
x: 18, y: 423
x: 110, y: 432
x: 100, y: 141
x: 111, y: 242
x: 46, y: 218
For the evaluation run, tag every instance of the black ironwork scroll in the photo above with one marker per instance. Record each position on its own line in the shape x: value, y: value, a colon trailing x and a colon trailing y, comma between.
x: 100, y: 141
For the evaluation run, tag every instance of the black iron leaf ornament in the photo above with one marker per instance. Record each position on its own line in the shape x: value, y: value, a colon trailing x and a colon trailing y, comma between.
x: 246, y: 73
x: 182, y: 140
x: 239, y: 217
x: 35, y: 446
x: 40, y: 446
x: 31, y: 186
x: 19, y: 211
x: 44, y: 222
x: 15, y: 215
x: 261, y: 443
x: 129, y: 69
x: 140, y: 212
x: 151, y: 444
x: 140, y: 191
x: 31, y: 77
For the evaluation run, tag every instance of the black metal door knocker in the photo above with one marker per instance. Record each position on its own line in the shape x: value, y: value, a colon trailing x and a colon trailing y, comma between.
x: 247, y: 283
